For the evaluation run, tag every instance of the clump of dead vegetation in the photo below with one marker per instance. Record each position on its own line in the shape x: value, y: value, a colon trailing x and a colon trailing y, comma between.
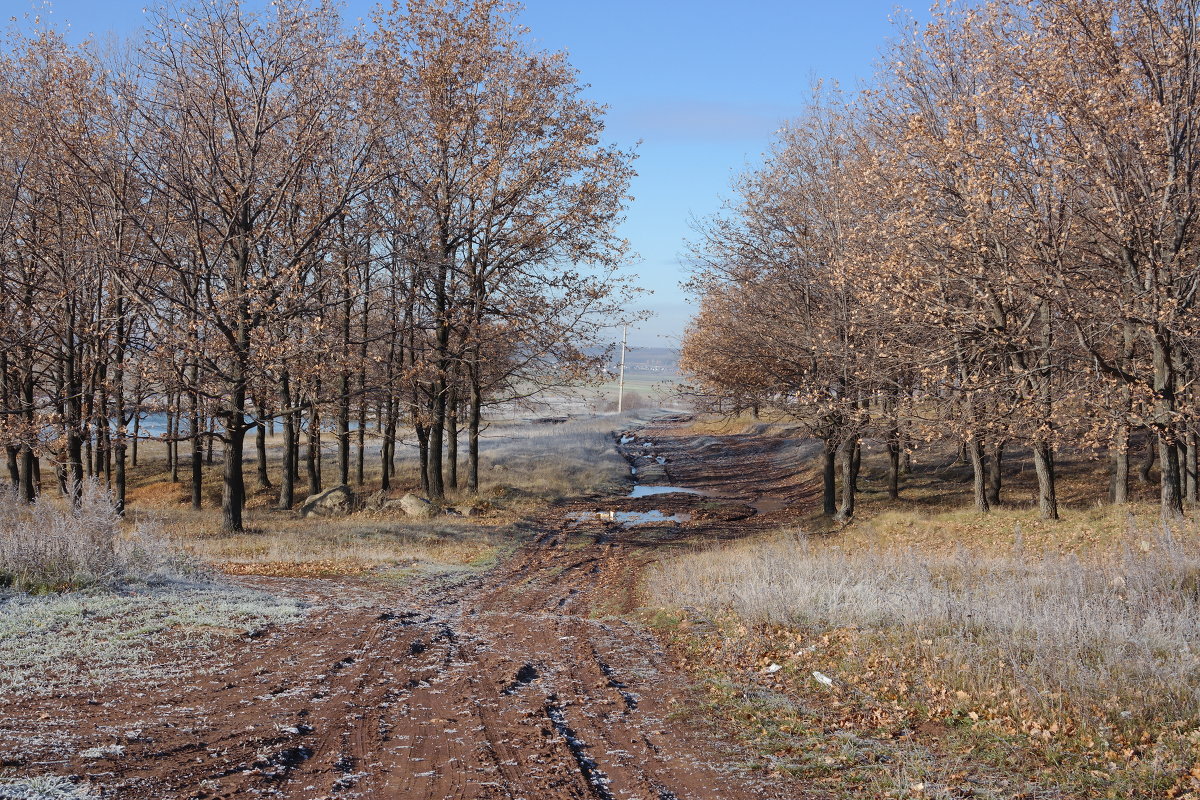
x: 49, y: 787
x: 51, y: 544
x: 1083, y: 671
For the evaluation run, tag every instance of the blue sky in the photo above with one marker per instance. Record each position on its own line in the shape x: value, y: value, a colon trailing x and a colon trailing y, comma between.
x: 702, y: 85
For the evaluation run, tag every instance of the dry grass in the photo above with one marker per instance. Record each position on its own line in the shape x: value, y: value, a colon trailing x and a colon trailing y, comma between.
x: 48, y: 545
x: 352, y: 545
x: 1089, y: 668
x: 524, y: 465
x: 1092, y: 530
x: 78, y: 641
x: 1061, y: 631
x: 50, y: 787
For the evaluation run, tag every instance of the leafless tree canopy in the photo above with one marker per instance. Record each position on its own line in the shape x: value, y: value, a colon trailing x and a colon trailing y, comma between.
x: 255, y: 216
x: 995, y: 242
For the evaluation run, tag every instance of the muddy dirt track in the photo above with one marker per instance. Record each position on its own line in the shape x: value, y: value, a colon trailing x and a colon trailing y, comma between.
x: 522, y: 682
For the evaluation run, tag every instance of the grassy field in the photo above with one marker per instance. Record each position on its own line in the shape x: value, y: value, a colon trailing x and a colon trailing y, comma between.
x: 523, y: 465
x: 924, y: 650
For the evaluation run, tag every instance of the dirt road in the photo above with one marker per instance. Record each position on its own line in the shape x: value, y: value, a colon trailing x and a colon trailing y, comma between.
x: 522, y: 682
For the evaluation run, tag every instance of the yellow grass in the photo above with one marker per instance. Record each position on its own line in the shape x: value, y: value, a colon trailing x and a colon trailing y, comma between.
x: 523, y: 466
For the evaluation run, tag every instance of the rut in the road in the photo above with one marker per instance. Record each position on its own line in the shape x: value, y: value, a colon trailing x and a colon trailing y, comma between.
x: 512, y: 684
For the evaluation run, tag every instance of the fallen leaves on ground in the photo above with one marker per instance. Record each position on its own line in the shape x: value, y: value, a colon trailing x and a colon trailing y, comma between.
x: 295, y: 569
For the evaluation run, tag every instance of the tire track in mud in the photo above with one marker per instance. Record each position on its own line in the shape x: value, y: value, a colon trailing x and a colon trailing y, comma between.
x: 504, y: 685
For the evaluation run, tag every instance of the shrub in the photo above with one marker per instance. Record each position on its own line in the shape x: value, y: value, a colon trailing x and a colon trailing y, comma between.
x: 48, y: 545
x: 42, y: 788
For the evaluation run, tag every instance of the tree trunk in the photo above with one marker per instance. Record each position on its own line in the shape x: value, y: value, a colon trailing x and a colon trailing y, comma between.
x: 423, y: 454
x: 452, y: 440
x: 851, y: 458
x: 287, y: 479
x: 979, y: 483
x: 169, y: 431
x: 434, y: 454
x: 173, y: 444
x: 473, y: 423
x: 1043, y: 465
x: 829, y: 478
x: 361, y: 436
x: 28, y: 484
x: 343, y: 432
x: 14, y: 465
x: 233, y: 494
x: 120, y: 445
x: 1149, y: 457
x: 1189, y: 467
x: 196, y: 435
x: 995, y: 474
x: 1119, y: 490
x: 1170, y: 497
x: 388, y: 416
x: 893, y: 450
x: 260, y: 448
x: 1164, y: 387
x: 197, y: 460
x: 1181, y: 456
x: 120, y: 455
x: 28, y: 459
x: 137, y: 428
x: 314, y: 450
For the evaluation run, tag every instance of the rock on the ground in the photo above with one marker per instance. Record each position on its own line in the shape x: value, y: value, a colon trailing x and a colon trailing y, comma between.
x: 652, y: 473
x: 331, y: 502
x: 418, y: 507
x: 376, y: 500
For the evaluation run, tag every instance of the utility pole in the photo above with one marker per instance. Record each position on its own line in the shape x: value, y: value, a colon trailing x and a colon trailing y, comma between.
x: 621, y: 374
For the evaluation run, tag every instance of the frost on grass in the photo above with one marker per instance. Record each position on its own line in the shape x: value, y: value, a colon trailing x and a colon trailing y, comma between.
x: 50, y: 545
x: 104, y: 751
x: 43, y: 788
x: 99, y: 637
x: 1108, y: 634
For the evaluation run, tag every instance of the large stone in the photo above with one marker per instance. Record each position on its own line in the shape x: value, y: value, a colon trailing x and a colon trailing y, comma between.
x: 418, y: 507
x: 329, y: 503
x: 651, y: 473
x: 376, y: 500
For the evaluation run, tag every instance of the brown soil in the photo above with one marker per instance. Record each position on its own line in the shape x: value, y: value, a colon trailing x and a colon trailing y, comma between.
x: 522, y: 682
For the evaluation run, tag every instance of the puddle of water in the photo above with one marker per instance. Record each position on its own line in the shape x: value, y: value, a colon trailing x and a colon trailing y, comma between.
x: 633, y: 470
x: 661, y: 459
x: 769, y: 505
x: 627, y: 439
x: 648, y: 491
x: 628, y: 518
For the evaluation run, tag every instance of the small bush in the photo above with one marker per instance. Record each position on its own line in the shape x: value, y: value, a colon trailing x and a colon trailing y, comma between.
x: 48, y: 545
x: 42, y: 788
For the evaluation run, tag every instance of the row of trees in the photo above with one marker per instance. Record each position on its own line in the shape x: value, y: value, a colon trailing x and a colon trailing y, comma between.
x: 253, y: 216
x: 995, y: 242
